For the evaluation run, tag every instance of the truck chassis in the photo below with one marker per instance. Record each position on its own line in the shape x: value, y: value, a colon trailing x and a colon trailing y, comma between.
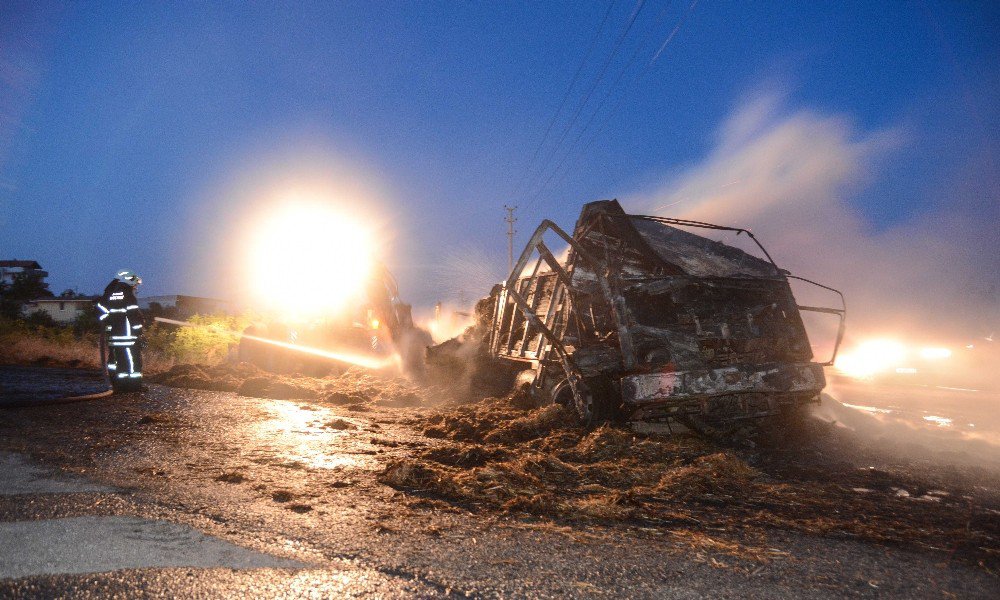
x: 647, y: 321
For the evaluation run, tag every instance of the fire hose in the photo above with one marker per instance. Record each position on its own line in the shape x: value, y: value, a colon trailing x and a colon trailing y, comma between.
x: 343, y: 356
x: 52, y: 401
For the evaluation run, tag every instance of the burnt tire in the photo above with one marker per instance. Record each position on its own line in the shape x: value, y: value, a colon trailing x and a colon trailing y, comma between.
x: 732, y: 433
x: 593, y: 403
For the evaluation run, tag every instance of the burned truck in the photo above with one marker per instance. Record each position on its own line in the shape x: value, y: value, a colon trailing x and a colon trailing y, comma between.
x: 644, y: 320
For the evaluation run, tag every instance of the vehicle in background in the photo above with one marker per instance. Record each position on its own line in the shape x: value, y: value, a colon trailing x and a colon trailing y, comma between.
x: 376, y: 323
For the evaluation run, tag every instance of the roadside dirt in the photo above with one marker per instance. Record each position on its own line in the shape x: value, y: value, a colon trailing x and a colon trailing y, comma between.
x: 367, y: 450
x: 500, y: 455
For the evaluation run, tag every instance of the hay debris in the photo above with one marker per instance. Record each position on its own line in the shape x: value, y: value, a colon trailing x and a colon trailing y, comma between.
x: 342, y: 398
x: 355, y: 388
x: 501, y: 457
x: 234, y: 477
x: 219, y: 378
x: 267, y: 387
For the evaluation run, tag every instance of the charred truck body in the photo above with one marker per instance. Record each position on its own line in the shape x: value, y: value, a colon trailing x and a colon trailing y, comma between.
x: 646, y: 320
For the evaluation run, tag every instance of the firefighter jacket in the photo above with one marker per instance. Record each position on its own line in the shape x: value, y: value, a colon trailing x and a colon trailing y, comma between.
x: 119, y: 312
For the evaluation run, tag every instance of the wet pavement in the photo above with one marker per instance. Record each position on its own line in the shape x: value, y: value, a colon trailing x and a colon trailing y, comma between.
x: 98, y: 543
x: 963, y: 410
x: 931, y: 421
x: 79, y: 545
x: 296, y: 481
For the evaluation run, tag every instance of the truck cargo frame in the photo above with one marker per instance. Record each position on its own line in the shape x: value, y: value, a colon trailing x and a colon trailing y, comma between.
x: 646, y: 320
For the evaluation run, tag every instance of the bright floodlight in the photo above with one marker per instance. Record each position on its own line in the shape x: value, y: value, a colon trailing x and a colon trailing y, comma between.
x: 871, y: 357
x: 309, y: 259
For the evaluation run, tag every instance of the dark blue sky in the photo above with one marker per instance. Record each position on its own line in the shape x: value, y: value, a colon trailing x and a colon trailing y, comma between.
x: 122, y: 125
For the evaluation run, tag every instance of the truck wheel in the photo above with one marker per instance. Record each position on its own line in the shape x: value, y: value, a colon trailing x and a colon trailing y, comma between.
x: 586, y: 406
x: 737, y: 433
x: 593, y: 404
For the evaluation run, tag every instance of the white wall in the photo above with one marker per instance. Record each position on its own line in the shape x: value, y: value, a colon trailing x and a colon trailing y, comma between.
x: 67, y: 314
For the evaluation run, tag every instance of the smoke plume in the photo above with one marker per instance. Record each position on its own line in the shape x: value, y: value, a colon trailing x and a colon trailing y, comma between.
x: 791, y: 176
x: 795, y: 178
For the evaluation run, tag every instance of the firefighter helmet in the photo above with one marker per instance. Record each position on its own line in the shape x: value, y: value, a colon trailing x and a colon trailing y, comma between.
x: 129, y: 278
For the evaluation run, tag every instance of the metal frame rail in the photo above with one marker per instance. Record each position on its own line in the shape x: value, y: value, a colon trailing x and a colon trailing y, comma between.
x: 525, y: 294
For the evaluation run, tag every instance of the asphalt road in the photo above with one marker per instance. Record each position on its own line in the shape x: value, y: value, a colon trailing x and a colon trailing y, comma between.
x: 261, y: 498
x: 931, y: 419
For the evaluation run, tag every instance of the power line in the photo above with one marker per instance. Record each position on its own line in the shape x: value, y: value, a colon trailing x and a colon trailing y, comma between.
x: 600, y: 29
x: 607, y: 94
x: 593, y: 42
x: 614, y: 51
x: 628, y: 88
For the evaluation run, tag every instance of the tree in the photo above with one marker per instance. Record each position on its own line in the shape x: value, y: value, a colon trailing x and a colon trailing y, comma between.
x: 25, y: 288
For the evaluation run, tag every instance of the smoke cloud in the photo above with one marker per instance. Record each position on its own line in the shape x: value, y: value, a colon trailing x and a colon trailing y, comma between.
x: 899, y: 434
x: 794, y: 177
x: 790, y: 176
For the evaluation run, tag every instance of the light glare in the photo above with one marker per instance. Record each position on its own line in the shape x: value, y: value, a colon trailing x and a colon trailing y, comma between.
x: 309, y: 259
x: 871, y: 357
x: 934, y: 353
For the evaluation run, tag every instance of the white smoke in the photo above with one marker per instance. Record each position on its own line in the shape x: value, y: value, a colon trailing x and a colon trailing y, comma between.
x: 897, y: 434
x: 790, y: 176
x: 465, y: 274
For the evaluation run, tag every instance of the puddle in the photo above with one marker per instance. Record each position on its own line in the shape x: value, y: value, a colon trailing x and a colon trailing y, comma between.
x: 18, y: 476
x: 939, y: 421
x: 94, y: 544
x: 301, y: 435
x: 98, y: 544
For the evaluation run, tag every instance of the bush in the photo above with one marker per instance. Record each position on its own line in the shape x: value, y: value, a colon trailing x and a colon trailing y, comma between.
x: 208, y: 342
x: 40, y: 318
x: 35, y: 337
x: 87, y: 321
x: 41, y: 326
x: 24, y: 342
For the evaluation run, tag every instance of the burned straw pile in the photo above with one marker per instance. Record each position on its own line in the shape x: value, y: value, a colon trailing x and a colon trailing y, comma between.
x: 353, y: 387
x: 497, y: 456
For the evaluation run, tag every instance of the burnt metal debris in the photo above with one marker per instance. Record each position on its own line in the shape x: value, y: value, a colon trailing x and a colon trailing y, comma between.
x: 645, y: 320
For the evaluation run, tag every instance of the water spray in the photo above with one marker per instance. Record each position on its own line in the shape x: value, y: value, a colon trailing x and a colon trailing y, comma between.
x: 360, y: 360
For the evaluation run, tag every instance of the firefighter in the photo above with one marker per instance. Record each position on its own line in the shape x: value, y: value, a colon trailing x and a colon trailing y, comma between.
x: 119, y: 312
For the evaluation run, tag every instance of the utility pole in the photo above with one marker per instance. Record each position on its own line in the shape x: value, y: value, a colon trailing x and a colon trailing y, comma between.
x: 510, y: 219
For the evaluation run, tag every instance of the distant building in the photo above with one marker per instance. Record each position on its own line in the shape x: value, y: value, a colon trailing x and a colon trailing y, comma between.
x: 10, y: 269
x: 184, y: 306
x: 62, y: 310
